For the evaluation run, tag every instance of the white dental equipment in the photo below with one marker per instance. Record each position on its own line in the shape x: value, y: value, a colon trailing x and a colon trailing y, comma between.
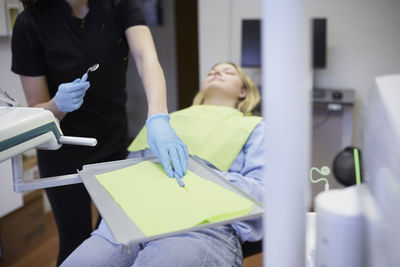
x: 24, y: 128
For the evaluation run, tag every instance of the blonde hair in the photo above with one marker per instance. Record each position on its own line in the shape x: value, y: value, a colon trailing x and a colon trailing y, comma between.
x: 246, y: 104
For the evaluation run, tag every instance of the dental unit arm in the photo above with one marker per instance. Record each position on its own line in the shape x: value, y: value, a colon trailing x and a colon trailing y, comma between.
x: 22, y: 129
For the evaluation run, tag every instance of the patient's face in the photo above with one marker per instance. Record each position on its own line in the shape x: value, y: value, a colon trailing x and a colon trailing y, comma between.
x: 223, y: 80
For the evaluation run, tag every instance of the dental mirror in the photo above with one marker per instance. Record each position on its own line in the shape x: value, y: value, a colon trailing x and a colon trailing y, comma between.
x: 93, y: 68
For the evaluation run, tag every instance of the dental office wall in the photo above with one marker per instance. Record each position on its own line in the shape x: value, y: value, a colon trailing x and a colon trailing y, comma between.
x: 363, y: 42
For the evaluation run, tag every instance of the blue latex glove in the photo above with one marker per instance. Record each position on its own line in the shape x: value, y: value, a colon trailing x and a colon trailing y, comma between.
x: 166, y: 144
x: 69, y: 96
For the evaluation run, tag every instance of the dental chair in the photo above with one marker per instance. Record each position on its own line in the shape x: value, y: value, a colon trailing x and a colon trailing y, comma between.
x: 251, y: 248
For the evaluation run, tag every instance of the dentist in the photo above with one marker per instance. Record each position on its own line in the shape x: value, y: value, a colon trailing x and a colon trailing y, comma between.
x: 53, y: 43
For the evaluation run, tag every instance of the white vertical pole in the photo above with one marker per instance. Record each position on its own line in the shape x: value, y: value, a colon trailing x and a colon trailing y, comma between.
x: 286, y: 103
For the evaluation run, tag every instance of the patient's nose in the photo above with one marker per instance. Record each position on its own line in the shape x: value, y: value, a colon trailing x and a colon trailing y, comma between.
x: 217, y: 72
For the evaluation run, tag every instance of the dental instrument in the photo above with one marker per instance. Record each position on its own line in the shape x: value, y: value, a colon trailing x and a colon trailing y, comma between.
x: 5, y: 97
x: 91, y: 68
x: 179, y: 180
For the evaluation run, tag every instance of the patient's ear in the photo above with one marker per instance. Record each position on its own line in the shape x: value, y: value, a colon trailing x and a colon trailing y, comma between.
x: 243, y: 93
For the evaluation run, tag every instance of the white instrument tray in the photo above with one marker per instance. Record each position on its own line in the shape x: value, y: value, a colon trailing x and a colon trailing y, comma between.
x: 122, y: 227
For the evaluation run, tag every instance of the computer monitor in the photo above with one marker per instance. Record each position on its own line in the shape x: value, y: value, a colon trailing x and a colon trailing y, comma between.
x: 381, y: 171
x: 251, y: 43
x: 319, y: 43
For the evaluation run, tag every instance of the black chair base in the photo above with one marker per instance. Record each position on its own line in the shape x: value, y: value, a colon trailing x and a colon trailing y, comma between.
x: 251, y: 248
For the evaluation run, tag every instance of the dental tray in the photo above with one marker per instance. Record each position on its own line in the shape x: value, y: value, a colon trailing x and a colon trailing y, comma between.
x: 123, y: 229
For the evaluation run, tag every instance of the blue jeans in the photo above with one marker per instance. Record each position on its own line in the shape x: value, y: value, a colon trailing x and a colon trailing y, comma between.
x: 217, y: 246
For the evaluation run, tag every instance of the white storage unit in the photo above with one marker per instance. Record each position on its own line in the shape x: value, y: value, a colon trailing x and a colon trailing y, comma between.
x: 3, y: 20
x: 9, y: 10
x: 9, y: 200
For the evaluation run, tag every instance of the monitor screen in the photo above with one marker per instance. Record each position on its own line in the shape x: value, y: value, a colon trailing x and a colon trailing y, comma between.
x: 319, y: 42
x: 251, y: 43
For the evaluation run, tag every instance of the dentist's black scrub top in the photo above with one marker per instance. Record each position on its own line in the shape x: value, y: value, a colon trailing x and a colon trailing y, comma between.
x: 62, y: 48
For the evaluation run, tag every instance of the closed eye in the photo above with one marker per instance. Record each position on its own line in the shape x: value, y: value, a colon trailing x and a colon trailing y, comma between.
x: 230, y: 72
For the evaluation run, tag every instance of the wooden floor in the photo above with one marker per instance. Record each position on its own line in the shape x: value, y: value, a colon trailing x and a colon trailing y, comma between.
x: 43, y: 252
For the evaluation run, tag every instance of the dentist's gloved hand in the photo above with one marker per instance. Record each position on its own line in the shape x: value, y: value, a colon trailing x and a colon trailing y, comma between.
x: 69, y: 96
x: 166, y: 144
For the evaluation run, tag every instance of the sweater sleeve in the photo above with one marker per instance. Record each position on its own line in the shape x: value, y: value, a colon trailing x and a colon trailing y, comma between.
x: 246, y: 173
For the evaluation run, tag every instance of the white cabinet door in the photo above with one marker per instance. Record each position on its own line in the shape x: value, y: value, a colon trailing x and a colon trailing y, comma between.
x: 3, y: 19
x: 9, y: 10
x: 9, y: 200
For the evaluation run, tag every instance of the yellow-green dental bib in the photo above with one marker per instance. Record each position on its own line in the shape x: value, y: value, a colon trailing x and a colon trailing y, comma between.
x: 213, y: 133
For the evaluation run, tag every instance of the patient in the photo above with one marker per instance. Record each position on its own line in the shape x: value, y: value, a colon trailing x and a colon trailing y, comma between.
x: 225, y: 91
